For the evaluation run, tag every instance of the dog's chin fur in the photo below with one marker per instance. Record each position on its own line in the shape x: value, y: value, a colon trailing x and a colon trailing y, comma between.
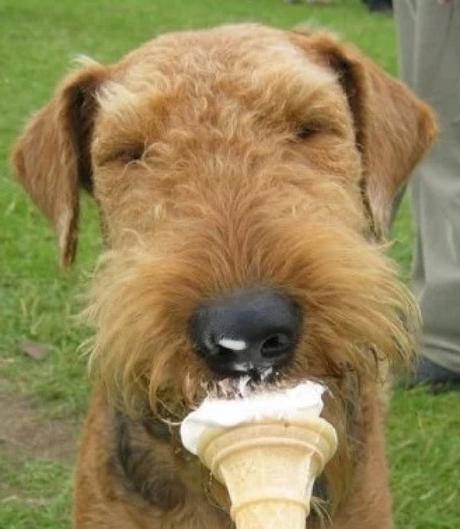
x: 221, y: 160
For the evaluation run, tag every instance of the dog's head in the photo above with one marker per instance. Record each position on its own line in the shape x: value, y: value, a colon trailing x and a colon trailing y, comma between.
x: 245, y: 178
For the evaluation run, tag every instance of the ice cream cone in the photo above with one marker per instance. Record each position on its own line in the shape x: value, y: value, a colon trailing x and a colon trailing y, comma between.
x: 269, y: 469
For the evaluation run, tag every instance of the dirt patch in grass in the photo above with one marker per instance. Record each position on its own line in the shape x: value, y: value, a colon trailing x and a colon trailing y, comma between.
x: 26, y: 433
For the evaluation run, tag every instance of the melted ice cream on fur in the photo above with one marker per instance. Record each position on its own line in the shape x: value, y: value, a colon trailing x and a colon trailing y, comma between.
x: 287, y: 405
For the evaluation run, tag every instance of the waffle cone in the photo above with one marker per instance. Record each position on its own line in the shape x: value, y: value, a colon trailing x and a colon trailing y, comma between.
x: 269, y: 469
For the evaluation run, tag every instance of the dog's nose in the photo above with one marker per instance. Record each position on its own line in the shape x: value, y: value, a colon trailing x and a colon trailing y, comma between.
x: 250, y: 332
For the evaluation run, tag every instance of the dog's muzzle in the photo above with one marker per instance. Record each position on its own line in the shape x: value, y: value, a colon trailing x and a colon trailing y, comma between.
x: 250, y: 332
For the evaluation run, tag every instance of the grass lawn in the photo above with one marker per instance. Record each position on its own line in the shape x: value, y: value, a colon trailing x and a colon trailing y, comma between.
x: 41, y: 401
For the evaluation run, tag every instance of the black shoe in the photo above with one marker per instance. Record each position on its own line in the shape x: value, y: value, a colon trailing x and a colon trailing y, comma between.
x: 437, y: 378
x: 385, y: 6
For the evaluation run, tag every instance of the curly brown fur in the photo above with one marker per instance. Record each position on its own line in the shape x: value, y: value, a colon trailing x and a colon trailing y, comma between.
x: 220, y: 160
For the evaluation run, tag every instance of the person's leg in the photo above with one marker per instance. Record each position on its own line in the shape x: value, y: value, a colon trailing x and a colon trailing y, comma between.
x: 430, y: 64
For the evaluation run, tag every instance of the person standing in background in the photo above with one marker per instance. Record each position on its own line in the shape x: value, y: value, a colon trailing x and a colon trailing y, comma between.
x: 429, y: 38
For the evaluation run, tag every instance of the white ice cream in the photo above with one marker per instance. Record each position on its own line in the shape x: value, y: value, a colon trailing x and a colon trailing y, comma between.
x: 304, y: 400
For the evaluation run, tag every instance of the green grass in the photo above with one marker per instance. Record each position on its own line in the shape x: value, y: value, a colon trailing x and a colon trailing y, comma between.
x: 39, y: 495
x: 39, y: 302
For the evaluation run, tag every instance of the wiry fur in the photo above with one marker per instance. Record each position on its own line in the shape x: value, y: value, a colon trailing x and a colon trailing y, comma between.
x: 225, y: 159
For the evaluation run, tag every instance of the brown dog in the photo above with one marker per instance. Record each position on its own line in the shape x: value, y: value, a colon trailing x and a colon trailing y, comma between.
x: 245, y: 177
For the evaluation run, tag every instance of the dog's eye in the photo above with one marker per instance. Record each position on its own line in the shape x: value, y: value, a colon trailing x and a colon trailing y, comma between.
x: 110, y: 151
x: 129, y: 154
x: 306, y: 131
x: 122, y: 155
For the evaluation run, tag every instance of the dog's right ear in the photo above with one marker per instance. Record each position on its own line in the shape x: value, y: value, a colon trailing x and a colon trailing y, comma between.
x: 52, y: 156
x: 393, y: 128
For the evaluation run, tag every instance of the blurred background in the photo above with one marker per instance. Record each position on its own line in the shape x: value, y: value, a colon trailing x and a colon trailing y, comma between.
x: 43, y: 387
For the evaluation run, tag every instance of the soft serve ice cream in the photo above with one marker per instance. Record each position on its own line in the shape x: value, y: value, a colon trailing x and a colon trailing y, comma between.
x: 286, y: 405
x: 267, y: 448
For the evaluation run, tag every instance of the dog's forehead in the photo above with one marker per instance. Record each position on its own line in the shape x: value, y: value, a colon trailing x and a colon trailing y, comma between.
x: 228, y: 59
x: 238, y: 47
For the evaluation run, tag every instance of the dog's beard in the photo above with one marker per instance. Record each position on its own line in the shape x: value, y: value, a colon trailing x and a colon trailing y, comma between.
x: 358, y: 321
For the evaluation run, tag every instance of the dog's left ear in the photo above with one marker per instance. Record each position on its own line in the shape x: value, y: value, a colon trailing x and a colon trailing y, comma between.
x: 51, y: 158
x: 393, y: 128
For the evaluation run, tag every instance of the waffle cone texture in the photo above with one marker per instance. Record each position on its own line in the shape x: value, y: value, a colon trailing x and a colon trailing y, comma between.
x: 269, y: 469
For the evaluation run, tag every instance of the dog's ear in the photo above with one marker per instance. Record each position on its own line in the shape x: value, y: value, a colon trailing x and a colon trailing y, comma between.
x: 393, y: 127
x: 51, y: 158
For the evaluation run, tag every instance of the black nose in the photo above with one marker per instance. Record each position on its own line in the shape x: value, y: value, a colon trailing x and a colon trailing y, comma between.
x: 250, y: 332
